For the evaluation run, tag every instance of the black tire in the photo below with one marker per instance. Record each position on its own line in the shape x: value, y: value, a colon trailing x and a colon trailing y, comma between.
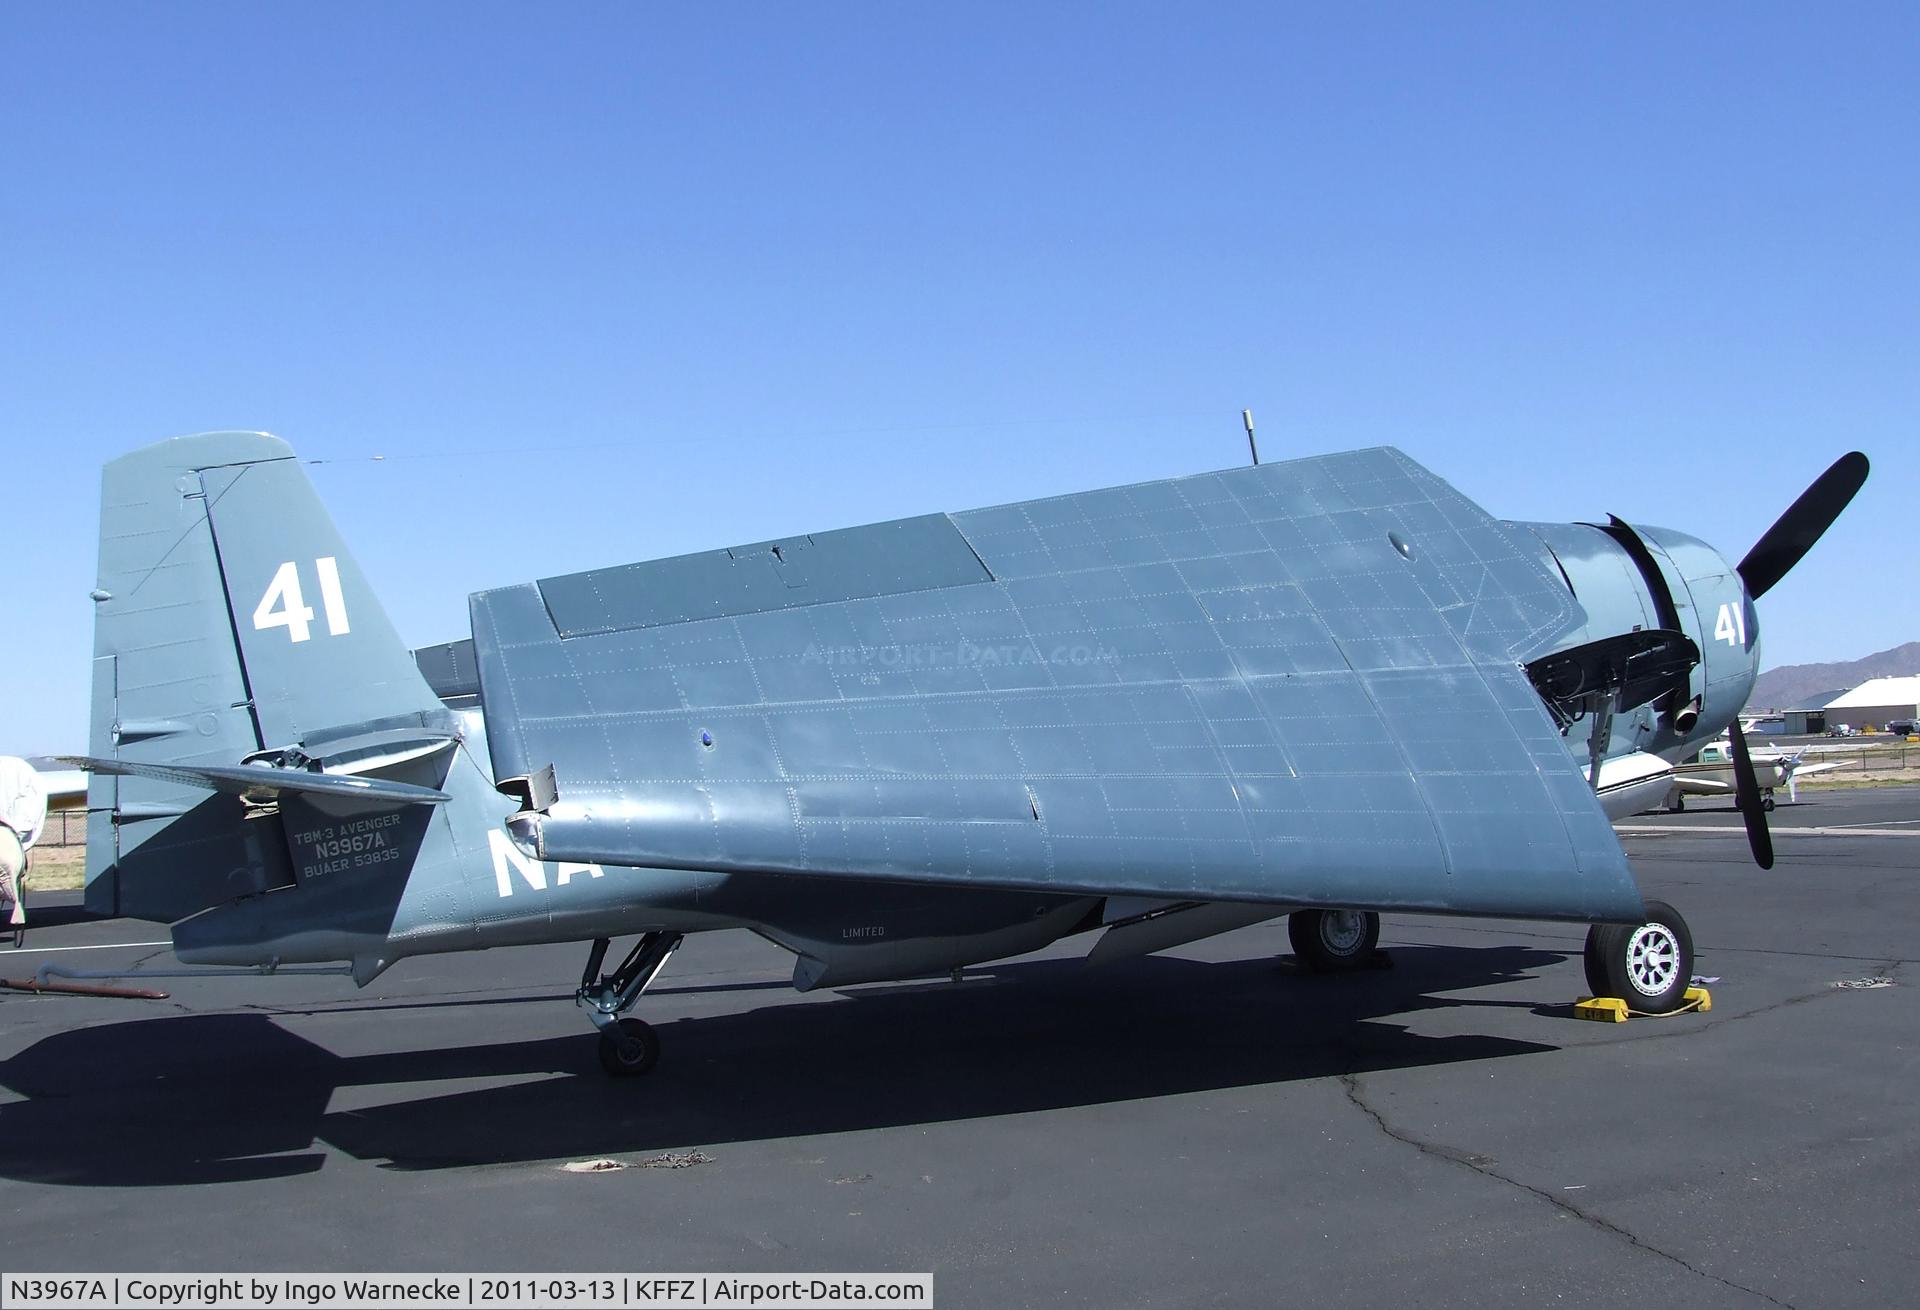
x: 1647, y: 965
x: 1596, y: 973
x: 1328, y: 941
x: 1677, y: 804
x: 1766, y: 803
x: 628, y: 1048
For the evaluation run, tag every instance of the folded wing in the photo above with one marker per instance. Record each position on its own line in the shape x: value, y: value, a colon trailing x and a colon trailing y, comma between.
x: 1293, y: 684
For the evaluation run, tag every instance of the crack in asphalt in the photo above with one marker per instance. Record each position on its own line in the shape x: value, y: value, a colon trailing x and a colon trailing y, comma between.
x: 1546, y: 934
x: 1723, y: 1021
x: 1482, y: 1165
x: 406, y: 1001
x: 1800, y: 955
x: 1887, y: 968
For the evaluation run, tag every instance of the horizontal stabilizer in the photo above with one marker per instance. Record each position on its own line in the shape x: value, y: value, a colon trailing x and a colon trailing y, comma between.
x: 256, y: 782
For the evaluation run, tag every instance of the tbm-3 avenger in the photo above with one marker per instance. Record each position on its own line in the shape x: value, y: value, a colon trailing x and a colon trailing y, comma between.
x: 1325, y: 688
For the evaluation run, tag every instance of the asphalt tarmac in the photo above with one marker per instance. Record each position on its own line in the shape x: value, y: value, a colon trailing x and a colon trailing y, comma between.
x: 1196, y: 1129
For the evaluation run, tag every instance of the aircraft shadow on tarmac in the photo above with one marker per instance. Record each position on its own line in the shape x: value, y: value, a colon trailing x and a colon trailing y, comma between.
x: 236, y: 1096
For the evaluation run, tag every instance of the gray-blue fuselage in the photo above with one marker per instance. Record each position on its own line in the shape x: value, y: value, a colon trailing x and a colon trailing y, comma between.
x: 472, y: 887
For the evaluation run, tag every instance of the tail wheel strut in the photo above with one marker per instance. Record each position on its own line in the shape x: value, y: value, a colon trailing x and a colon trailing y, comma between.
x: 628, y: 1047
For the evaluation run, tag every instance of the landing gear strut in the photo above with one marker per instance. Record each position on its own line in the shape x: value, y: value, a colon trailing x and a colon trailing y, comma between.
x: 628, y: 1047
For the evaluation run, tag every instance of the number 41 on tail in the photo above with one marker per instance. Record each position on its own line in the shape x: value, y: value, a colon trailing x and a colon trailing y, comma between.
x: 284, y: 605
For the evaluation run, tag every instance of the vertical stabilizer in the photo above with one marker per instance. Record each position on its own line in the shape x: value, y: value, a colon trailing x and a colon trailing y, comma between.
x: 229, y: 620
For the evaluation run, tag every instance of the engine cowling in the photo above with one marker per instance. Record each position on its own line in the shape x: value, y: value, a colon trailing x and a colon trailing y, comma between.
x: 1632, y: 579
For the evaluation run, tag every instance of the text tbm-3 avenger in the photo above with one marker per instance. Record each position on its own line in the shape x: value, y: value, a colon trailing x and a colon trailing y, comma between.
x: 1327, y: 688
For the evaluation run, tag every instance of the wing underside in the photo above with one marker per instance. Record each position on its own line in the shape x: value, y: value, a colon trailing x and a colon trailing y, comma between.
x: 1293, y: 684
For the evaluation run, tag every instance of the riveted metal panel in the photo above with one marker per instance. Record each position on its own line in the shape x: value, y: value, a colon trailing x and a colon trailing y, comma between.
x: 1296, y: 683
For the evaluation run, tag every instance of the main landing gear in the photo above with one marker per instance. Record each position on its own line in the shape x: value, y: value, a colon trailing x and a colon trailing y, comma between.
x: 628, y: 1047
x: 1330, y: 941
x: 1649, y: 966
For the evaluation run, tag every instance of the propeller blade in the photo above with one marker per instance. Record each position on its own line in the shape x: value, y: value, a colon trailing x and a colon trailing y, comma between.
x: 1793, y: 533
x: 1746, y: 790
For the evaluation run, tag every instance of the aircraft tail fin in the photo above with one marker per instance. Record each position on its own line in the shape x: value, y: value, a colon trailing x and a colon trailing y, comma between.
x: 231, y: 628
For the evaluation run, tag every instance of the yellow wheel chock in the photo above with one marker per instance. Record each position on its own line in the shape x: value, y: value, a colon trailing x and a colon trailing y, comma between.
x: 1611, y: 1009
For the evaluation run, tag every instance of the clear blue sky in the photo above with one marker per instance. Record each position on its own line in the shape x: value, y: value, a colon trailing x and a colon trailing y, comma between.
x: 608, y: 282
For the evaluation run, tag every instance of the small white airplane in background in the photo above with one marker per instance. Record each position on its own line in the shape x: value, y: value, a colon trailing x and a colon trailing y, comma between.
x: 28, y: 795
x: 1710, y: 773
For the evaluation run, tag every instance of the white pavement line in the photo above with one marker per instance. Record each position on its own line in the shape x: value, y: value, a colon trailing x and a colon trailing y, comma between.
x: 1678, y: 830
x: 103, y: 946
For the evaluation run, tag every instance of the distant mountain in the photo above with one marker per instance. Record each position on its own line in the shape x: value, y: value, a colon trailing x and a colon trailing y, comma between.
x: 1785, y: 687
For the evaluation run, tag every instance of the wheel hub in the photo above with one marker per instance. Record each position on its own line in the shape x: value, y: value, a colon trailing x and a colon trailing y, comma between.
x: 1342, y: 931
x: 1653, y: 959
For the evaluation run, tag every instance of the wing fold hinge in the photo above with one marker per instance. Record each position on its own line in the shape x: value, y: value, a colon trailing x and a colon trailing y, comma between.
x: 536, y: 791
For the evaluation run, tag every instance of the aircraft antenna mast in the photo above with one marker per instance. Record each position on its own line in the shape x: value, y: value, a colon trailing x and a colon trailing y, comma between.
x: 1246, y: 417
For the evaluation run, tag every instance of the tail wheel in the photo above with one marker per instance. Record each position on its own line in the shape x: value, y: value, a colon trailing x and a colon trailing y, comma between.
x: 1648, y: 965
x: 628, y: 1048
x: 1327, y: 941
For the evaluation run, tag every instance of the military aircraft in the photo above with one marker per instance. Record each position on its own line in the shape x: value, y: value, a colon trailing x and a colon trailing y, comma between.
x: 1325, y: 688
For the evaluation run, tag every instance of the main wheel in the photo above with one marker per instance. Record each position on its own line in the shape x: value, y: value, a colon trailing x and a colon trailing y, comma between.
x: 1330, y: 940
x: 628, y: 1048
x: 1649, y: 966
